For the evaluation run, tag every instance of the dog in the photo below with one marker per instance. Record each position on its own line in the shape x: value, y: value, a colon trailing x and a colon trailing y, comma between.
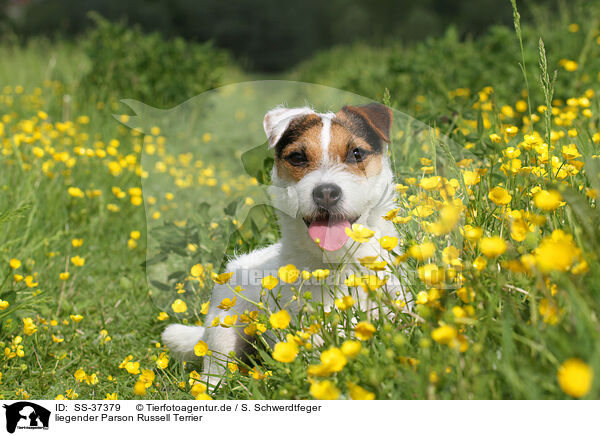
x: 331, y: 171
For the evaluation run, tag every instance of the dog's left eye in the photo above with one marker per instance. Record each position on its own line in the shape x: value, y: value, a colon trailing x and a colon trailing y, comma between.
x: 356, y: 155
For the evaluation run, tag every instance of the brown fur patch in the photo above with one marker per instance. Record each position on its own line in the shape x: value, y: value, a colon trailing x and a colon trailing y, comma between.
x: 304, y: 135
x: 343, y: 141
x: 307, y: 141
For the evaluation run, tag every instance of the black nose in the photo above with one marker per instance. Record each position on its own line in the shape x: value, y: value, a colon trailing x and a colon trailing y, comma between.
x: 327, y: 195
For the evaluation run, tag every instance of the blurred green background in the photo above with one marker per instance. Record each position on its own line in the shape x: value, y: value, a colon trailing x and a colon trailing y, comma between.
x: 270, y: 35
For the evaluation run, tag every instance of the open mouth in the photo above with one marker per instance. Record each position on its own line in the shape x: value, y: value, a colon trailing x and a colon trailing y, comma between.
x: 328, y: 230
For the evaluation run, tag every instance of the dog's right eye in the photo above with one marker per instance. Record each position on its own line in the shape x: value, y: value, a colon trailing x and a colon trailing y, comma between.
x: 297, y: 159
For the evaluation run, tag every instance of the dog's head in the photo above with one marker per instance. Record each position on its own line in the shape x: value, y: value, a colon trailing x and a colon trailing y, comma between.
x: 334, y: 165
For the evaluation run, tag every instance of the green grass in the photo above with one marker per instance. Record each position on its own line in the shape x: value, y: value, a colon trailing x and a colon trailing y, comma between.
x: 506, y: 339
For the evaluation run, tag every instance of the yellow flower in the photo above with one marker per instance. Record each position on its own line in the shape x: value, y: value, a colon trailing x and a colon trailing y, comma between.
x: 371, y: 282
x: 285, y: 351
x: 345, y: 302
x: 548, y: 200
x: 14, y: 263
x: 353, y: 281
x: 334, y: 359
x: 570, y: 151
x: 162, y: 316
x: 197, y: 270
x: 233, y: 367
x: 229, y: 320
x: 444, y: 334
x: 198, y: 388
x: 30, y: 281
x: 280, y: 320
x: 495, y: 138
x: 472, y: 234
x: 351, y: 348
x: 77, y: 242
x: 431, y: 274
x: 430, y: 183
x: 422, y: 251
x: 77, y: 261
x: 112, y: 396
x: 163, y: 360
x: 569, y: 65
x: 227, y: 303
x: 324, y: 390
x: 499, y: 196
x: 288, y: 273
x: 364, y: 330
x: 125, y: 361
x: 358, y: 393
x: 29, y: 327
x: 75, y: 192
x: 556, y: 253
x: 450, y: 256
x: 257, y: 374
x: 201, y: 348
x: 179, y: 306
x: 372, y: 264
x: 221, y: 279
x: 359, y: 233
x: 422, y: 297
x: 479, y: 263
x: 519, y: 230
x: 549, y: 311
x: 391, y: 214
x: 132, y: 367
x: 492, y: 247
x: 80, y: 375
x: 76, y: 318
x: 4, y: 304
x: 575, y: 377
x: 388, y: 242
x: 471, y: 177
x: 147, y: 377
x: 140, y: 388
x: 269, y: 282
x: 64, y: 275
x: 320, y: 274
x: 204, y: 308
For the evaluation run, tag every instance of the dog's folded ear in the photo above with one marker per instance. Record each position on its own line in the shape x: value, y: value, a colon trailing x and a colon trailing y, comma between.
x: 277, y: 121
x: 374, y: 116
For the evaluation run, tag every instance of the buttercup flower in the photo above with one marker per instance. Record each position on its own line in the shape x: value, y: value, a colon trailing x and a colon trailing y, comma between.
x: 359, y: 233
x: 324, y: 390
x: 288, y: 273
x: 280, y: 320
x: 201, y: 348
x: 492, y: 247
x: 575, y: 377
x: 269, y: 282
x: 547, y: 200
x: 179, y: 306
x: 285, y: 351
x: 364, y: 330
x: 499, y: 196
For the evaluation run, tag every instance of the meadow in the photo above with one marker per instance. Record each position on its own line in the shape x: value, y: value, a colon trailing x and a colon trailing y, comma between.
x: 497, y: 211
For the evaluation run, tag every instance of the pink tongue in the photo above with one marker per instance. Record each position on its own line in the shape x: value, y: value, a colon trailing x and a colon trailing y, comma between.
x: 332, y: 235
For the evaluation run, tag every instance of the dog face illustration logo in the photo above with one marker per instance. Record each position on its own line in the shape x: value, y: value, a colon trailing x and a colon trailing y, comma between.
x: 24, y: 414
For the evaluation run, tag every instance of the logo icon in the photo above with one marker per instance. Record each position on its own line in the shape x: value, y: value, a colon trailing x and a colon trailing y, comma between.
x: 26, y: 415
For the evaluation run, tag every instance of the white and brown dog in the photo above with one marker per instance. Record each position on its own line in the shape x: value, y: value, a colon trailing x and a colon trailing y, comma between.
x: 332, y: 170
